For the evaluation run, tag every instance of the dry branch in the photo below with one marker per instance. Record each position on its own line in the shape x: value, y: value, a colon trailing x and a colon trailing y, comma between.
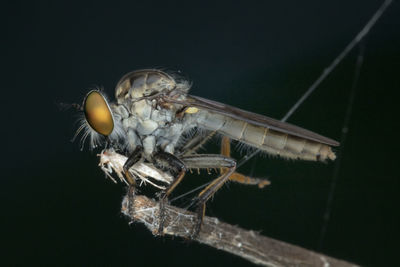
x: 246, y: 244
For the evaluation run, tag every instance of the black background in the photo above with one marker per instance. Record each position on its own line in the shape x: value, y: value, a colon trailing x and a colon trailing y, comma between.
x: 56, y: 205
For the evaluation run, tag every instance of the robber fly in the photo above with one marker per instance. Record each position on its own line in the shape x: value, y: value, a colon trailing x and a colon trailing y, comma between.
x: 152, y: 114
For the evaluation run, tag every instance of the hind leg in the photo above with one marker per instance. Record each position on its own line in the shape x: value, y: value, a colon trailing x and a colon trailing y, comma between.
x: 238, y: 177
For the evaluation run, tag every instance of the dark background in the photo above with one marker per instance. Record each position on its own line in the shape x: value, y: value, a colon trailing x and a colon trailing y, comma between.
x: 56, y: 205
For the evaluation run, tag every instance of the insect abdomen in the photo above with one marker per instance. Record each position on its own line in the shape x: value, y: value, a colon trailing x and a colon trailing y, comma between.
x: 266, y: 139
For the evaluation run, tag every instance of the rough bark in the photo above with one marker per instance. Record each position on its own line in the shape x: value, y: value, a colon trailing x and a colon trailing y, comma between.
x: 246, y: 244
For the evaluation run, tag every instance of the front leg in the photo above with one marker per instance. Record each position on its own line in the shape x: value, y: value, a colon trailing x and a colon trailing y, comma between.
x: 168, y: 161
x: 133, y: 158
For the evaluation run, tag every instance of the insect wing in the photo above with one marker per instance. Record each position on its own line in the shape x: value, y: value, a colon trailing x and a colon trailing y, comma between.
x: 255, y: 119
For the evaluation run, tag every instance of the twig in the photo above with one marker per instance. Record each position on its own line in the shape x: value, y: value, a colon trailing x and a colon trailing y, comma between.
x: 246, y: 244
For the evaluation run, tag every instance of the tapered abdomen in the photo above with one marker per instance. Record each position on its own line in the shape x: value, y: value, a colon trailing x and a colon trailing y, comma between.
x: 269, y: 140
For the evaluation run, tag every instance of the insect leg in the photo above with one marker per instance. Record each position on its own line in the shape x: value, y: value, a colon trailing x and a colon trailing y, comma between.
x: 166, y: 159
x: 206, y: 161
x: 196, y: 142
x: 238, y: 177
x: 132, y: 159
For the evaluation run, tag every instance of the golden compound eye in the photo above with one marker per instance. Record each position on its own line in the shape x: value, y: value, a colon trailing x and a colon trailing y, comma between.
x: 98, y: 113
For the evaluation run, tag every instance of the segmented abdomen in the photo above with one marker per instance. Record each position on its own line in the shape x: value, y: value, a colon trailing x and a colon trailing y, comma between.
x: 266, y: 139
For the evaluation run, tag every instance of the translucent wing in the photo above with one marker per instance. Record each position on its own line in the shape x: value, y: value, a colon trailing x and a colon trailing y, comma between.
x: 257, y: 119
x: 270, y: 135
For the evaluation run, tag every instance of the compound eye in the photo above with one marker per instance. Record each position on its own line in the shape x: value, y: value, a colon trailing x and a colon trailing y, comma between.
x: 98, y: 113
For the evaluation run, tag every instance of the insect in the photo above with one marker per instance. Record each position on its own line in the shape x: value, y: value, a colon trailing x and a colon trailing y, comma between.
x: 111, y: 161
x: 149, y: 124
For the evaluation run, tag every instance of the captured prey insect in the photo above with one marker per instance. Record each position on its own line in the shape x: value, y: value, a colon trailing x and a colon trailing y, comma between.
x: 111, y: 161
x: 149, y: 124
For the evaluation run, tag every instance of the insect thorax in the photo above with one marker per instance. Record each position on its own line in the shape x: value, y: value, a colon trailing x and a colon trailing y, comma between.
x: 147, y: 121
